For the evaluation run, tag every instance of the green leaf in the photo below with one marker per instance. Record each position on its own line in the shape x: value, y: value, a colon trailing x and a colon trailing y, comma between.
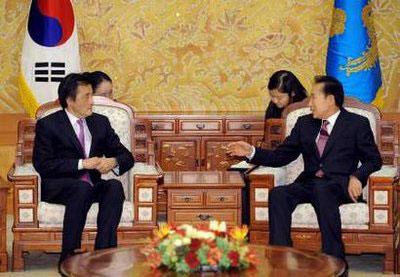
x: 181, y: 250
x: 202, y: 254
x: 222, y: 244
x: 224, y: 262
x: 166, y: 260
x: 182, y: 266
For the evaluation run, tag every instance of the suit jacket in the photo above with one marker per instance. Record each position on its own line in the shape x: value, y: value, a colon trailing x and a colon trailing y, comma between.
x: 351, y: 140
x: 57, y: 150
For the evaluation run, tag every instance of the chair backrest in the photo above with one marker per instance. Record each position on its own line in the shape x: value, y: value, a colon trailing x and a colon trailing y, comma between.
x: 291, y: 114
x: 121, y: 118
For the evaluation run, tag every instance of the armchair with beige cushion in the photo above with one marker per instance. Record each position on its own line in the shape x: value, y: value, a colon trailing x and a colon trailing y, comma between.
x: 368, y: 227
x: 38, y: 225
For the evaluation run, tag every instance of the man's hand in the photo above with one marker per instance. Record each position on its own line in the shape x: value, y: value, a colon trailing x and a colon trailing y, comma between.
x: 106, y: 164
x: 90, y: 163
x: 239, y: 148
x: 354, y: 188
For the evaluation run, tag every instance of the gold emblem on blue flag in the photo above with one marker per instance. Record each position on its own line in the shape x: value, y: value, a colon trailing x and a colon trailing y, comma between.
x: 352, y: 53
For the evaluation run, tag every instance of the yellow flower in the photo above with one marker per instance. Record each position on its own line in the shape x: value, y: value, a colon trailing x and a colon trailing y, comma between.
x: 238, y: 233
x: 162, y: 231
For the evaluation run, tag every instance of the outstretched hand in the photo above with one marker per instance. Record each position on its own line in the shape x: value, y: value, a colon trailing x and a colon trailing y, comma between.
x: 239, y: 148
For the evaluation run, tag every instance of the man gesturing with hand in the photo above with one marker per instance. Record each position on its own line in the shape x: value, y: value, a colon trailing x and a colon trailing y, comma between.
x: 332, y: 142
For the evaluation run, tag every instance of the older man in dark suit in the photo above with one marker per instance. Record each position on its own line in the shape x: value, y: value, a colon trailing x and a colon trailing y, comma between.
x: 73, y: 147
x: 332, y: 141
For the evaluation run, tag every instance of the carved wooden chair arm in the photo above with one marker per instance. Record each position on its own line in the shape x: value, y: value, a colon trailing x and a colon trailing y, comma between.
x: 146, y: 182
x: 381, y: 193
x: 26, y: 197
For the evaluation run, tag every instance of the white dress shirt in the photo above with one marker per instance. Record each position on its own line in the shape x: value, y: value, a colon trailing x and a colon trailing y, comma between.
x: 88, y: 136
x: 332, y: 120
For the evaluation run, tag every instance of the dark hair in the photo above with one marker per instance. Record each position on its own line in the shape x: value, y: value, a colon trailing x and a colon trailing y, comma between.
x: 285, y: 82
x: 69, y: 85
x: 332, y: 86
x: 97, y: 77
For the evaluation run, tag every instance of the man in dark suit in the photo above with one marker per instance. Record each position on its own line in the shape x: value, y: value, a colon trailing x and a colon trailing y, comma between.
x: 332, y: 141
x: 73, y: 147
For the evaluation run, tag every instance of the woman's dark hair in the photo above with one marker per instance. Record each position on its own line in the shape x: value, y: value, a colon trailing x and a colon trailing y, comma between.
x: 96, y: 78
x: 69, y: 85
x: 332, y: 86
x: 285, y: 82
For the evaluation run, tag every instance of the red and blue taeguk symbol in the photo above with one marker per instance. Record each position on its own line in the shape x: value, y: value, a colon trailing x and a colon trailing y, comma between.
x: 51, y: 22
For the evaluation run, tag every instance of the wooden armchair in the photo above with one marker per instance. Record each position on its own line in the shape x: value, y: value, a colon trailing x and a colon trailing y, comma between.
x: 38, y: 225
x: 369, y: 227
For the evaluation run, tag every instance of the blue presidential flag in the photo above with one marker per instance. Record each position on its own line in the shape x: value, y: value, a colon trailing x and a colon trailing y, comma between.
x: 352, y: 52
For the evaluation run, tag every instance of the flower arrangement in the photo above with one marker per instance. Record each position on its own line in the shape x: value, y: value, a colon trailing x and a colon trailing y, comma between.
x: 202, y: 248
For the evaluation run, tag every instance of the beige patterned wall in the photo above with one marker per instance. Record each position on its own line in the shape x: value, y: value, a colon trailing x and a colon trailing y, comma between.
x: 200, y: 55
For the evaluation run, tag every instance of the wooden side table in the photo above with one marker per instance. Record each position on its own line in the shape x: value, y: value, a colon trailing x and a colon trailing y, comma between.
x: 3, y: 225
x: 200, y: 196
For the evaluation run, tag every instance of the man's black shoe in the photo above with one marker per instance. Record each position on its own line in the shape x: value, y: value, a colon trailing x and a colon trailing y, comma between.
x: 65, y: 256
x: 346, y: 270
x: 62, y: 259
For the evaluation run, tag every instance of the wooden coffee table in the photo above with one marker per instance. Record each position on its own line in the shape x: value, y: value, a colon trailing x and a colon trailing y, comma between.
x: 198, y: 196
x: 3, y: 225
x: 273, y: 261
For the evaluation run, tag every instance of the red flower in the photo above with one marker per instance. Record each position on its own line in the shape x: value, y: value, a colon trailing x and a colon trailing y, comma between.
x: 195, y: 245
x: 211, y: 243
x: 220, y: 234
x: 203, y: 227
x: 181, y: 232
x: 154, y: 259
x: 252, y: 258
x: 234, y: 257
x: 191, y: 260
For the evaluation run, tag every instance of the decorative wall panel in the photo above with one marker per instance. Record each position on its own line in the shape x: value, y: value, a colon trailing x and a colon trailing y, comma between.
x: 193, y: 55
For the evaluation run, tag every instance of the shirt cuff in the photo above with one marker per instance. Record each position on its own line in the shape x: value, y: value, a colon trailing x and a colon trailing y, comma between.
x: 253, y: 152
x: 116, y: 170
x: 80, y: 164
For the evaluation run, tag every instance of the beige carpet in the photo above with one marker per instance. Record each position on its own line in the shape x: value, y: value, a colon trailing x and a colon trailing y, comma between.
x: 45, y: 265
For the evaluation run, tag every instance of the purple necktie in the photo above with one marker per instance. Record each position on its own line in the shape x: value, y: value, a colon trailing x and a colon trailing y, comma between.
x: 81, y: 137
x: 321, y: 143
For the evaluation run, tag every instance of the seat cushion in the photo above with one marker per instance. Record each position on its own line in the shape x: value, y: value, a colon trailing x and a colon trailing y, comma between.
x: 52, y: 215
x: 126, y: 179
x: 353, y: 216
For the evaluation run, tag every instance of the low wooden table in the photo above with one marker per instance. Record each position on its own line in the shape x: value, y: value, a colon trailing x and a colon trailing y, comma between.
x: 3, y: 225
x: 273, y: 261
x: 197, y: 196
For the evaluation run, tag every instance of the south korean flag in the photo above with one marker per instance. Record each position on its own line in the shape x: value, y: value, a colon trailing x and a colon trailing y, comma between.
x: 50, y: 51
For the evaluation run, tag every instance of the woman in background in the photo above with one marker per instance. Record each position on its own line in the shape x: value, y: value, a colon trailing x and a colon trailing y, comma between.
x: 101, y: 83
x: 284, y: 89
